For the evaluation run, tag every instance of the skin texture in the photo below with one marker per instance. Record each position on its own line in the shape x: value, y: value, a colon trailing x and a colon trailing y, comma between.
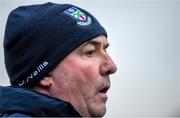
x: 82, y: 78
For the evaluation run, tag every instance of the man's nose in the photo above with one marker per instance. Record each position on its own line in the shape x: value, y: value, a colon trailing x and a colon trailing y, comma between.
x: 107, y: 66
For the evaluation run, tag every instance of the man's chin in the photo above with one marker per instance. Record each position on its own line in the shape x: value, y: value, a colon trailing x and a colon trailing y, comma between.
x: 99, y: 112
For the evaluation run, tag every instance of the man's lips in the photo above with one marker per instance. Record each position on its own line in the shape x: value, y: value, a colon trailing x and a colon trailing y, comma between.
x: 102, y: 92
x: 104, y: 89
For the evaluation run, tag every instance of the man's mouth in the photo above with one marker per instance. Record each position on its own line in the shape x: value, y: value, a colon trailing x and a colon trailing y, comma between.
x: 104, y: 89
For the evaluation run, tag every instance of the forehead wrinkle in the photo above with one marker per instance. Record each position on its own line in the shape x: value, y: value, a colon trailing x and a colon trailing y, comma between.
x: 96, y: 43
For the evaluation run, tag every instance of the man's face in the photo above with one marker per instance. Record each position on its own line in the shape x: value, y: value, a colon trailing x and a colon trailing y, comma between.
x: 82, y: 78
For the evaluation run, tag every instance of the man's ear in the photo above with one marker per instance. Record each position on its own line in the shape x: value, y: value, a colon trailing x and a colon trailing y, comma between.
x: 46, y: 81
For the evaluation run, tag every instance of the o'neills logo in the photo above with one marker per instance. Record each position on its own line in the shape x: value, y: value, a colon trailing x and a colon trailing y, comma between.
x: 35, y: 73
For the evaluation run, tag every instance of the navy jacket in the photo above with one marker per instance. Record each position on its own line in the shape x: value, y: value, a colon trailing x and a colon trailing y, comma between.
x: 24, y: 102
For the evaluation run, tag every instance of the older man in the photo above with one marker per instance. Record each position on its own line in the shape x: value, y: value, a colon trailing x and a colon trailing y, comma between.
x: 56, y: 59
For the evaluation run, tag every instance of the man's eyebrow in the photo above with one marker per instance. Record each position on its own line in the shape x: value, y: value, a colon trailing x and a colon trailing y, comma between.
x: 96, y: 43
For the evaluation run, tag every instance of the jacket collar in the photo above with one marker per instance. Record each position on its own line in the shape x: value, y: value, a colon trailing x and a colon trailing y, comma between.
x: 29, y: 102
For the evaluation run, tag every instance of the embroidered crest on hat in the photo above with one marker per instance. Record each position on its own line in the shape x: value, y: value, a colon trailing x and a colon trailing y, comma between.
x: 81, y: 17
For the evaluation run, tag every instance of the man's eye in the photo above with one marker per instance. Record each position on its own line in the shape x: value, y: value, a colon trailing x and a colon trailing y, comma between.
x: 90, y: 53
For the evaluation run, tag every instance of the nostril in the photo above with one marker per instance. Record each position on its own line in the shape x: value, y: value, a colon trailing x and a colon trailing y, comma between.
x: 108, y: 72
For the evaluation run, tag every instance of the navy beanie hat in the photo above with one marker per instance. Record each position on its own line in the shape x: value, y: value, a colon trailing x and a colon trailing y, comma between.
x: 38, y: 37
